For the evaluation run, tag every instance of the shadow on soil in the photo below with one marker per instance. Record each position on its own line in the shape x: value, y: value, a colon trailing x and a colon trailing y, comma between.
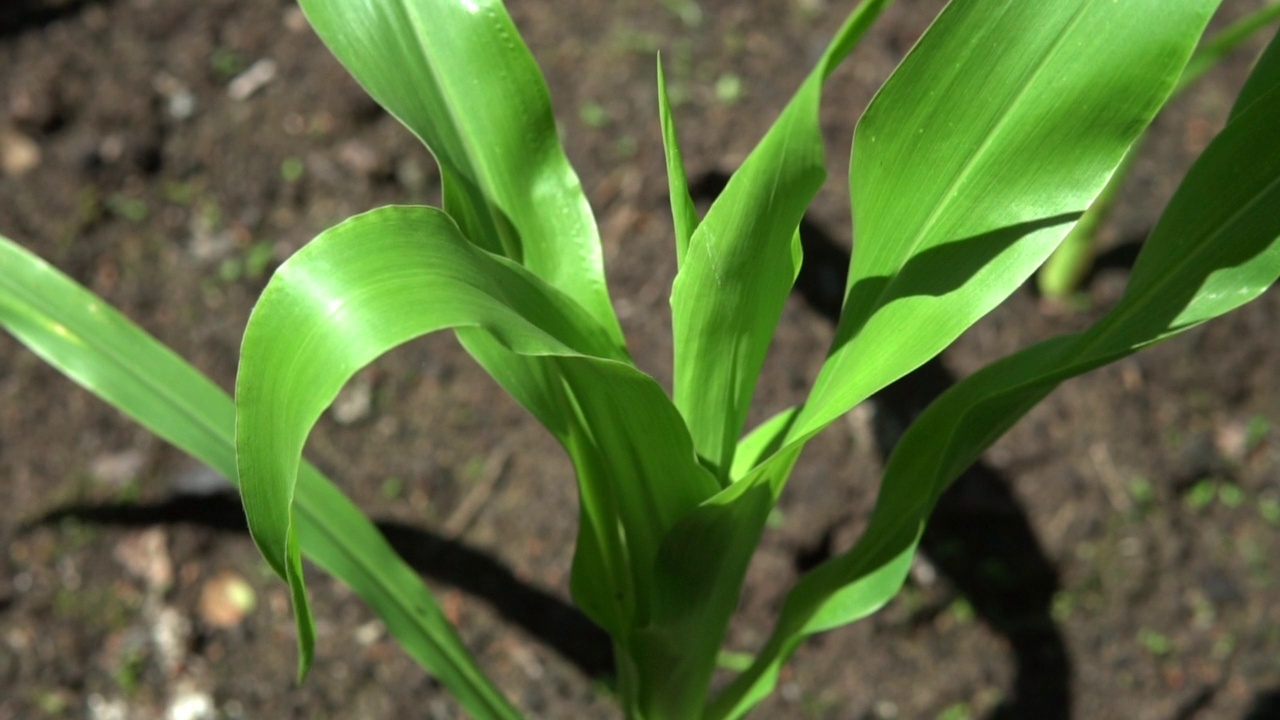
x: 1266, y: 706
x: 556, y: 623
x: 18, y: 16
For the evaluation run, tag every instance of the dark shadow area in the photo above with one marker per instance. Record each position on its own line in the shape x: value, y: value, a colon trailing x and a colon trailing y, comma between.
x: 19, y: 16
x: 978, y: 536
x: 1120, y: 257
x: 554, y: 622
x: 1197, y: 704
x: 1265, y: 706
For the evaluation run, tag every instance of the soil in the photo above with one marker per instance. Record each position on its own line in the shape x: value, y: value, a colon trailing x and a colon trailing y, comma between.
x: 1117, y: 555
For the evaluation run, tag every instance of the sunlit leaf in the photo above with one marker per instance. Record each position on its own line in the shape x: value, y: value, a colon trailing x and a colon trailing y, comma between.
x: 91, y: 343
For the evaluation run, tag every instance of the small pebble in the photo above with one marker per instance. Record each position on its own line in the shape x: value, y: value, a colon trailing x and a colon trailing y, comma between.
x: 244, y: 85
x: 225, y: 599
x: 19, y: 154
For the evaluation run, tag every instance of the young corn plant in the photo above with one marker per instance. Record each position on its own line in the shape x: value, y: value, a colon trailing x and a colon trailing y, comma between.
x: 976, y: 158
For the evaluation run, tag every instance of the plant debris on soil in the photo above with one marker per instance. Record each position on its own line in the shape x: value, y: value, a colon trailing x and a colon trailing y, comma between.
x: 1116, y: 556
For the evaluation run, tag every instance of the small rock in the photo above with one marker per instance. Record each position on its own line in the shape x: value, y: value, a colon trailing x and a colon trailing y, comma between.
x: 355, y: 402
x: 145, y: 555
x: 923, y: 572
x: 370, y: 632
x: 200, y: 479
x: 188, y: 703
x: 244, y: 85
x: 101, y: 708
x: 117, y: 469
x: 19, y: 154
x: 294, y: 20
x: 1231, y: 439
x: 208, y: 245
x: 225, y: 599
x: 359, y: 158
x: 179, y: 100
x: 171, y: 633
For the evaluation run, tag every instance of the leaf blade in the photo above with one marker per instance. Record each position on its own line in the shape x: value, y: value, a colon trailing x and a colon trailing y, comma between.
x: 458, y: 75
x: 1216, y: 247
x: 95, y: 346
x: 742, y: 260
x: 394, y: 274
x: 974, y: 161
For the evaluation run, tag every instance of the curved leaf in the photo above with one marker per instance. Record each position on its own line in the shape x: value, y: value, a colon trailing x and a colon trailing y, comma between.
x: 393, y: 274
x: 91, y: 343
x: 458, y: 75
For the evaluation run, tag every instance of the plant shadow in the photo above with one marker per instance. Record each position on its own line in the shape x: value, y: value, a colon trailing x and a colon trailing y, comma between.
x: 19, y: 16
x: 554, y: 622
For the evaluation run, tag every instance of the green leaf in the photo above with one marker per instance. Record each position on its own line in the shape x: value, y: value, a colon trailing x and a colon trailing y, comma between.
x: 1215, y: 248
x: 390, y: 275
x: 81, y: 336
x: 975, y: 159
x: 742, y: 260
x: 1265, y: 77
x: 1066, y: 268
x: 683, y: 215
x: 458, y: 75
x: 1220, y: 45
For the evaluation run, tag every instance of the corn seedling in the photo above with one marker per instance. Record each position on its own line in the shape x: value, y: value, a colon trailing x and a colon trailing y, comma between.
x: 982, y: 151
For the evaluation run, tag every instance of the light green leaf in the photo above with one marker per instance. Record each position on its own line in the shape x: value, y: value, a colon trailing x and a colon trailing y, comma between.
x: 742, y: 261
x: 385, y: 277
x: 1070, y: 262
x: 81, y: 336
x: 1215, y: 248
x: 458, y: 75
x: 975, y: 159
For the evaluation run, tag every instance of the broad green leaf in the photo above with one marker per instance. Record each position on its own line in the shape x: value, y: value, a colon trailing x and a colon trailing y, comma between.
x: 742, y: 260
x: 84, y: 338
x: 972, y: 162
x: 458, y: 75
x: 1216, y: 247
x: 1070, y: 262
x: 981, y: 151
x: 390, y: 275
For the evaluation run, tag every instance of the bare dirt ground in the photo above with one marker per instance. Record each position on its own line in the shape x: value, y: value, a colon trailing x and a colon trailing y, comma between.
x: 1116, y: 556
